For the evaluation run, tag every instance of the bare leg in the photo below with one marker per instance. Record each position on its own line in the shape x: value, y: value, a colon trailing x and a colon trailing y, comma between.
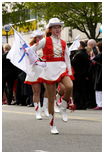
x: 68, y: 85
x: 61, y: 90
x: 45, y: 102
x: 51, y: 92
x: 36, y: 92
x: 68, y: 88
x: 36, y: 99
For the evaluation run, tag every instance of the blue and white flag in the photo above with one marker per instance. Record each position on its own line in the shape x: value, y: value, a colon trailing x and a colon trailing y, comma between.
x: 22, y: 55
x: 23, y: 51
x: 18, y: 55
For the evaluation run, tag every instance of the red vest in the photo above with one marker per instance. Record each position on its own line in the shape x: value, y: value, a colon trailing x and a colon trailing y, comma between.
x: 48, y: 53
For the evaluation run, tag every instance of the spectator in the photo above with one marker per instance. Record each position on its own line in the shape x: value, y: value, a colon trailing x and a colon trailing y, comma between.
x: 23, y: 91
x: 9, y: 74
x: 92, y: 44
x: 98, y: 78
x: 81, y: 64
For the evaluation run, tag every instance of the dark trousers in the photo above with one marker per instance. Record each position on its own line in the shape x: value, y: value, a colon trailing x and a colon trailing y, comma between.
x: 81, y: 93
x: 7, y: 87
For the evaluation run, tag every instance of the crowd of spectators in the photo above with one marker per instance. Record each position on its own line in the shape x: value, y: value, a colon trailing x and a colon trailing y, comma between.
x: 87, y: 66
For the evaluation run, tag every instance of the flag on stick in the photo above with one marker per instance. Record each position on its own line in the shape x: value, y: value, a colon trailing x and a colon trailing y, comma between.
x: 19, y: 57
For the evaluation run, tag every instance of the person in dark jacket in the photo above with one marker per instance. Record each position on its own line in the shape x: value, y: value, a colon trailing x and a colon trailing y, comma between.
x: 24, y: 92
x: 9, y: 74
x: 81, y: 64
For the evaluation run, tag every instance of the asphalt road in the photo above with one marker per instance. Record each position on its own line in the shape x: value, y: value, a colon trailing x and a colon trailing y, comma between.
x: 21, y: 132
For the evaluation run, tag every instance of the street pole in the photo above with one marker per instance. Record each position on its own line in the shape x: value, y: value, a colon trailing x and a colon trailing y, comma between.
x: 6, y: 36
x: 7, y: 29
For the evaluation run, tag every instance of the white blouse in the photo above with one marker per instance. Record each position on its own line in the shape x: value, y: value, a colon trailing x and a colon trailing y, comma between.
x: 57, y: 47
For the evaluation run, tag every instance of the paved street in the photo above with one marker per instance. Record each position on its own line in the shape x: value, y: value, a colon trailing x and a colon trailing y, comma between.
x: 21, y: 132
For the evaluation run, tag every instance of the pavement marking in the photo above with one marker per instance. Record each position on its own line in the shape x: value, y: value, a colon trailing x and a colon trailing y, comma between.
x: 56, y: 115
x: 18, y: 112
x: 83, y: 118
x: 40, y: 151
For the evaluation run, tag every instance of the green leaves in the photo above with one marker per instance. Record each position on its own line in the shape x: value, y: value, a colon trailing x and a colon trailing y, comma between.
x: 83, y: 16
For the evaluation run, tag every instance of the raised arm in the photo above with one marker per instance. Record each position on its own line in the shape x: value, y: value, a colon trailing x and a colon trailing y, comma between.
x: 38, y: 45
x: 33, y: 57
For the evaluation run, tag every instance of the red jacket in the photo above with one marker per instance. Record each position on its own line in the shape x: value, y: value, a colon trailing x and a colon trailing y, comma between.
x: 48, y: 53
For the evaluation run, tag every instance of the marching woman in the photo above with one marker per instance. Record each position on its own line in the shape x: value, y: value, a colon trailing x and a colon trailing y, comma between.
x: 58, y: 68
x: 32, y: 80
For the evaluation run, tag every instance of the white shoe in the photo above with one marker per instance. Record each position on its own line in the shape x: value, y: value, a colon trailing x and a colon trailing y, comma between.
x: 46, y: 112
x: 56, y: 108
x: 64, y: 115
x: 38, y: 111
x: 45, y: 106
x: 54, y: 130
x: 63, y: 112
x: 38, y: 115
x: 58, y: 99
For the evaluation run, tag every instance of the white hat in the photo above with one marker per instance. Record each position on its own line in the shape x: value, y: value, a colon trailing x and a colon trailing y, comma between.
x: 53, y: 22
x: 37, y: 33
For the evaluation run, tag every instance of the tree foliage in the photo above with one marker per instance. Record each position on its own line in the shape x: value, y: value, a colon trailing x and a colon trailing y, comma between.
x: 11, y: 12
x: 83, y: 16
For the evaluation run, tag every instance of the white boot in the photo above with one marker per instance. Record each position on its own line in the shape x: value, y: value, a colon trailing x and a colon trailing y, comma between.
x: 37, y: 111
x: 56, y: 107
x: 98, y: 95
x: 63, y: 112
x: 58, y: 99
x: 52, y: 126
x: 45, y: 106
x: 54, y: 130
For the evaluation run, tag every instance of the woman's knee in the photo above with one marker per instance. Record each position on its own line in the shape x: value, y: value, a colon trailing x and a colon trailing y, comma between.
x: 36, y: 89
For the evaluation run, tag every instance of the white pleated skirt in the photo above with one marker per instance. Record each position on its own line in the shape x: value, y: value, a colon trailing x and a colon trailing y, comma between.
x: 53, y: 72
x: 32, y: 77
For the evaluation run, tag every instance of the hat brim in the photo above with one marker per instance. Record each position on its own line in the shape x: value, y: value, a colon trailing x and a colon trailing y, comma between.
x: 54, y: 24
x: 36, y: 35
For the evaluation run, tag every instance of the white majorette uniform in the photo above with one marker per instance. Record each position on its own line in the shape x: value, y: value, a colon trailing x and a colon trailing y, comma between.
x: 36, y: 71
x: 55, y: 52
